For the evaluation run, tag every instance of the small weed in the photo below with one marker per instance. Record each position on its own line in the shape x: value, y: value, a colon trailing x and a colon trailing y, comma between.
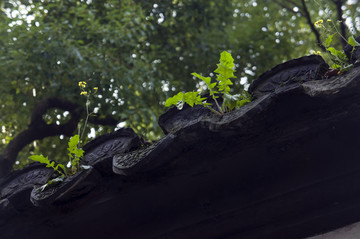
x: 340, y: 61
x: 221, y: 87
x: 75, y: 152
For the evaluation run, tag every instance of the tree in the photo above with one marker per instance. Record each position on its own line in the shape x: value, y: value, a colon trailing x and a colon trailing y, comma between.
x: 136, y: 52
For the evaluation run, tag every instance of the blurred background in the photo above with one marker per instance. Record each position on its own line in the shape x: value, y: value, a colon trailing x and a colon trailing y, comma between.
x: 140, y: 52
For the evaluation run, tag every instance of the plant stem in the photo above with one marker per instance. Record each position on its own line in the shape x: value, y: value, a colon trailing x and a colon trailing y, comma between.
x: 214, y: 111
x: 86, y: 119
x: 336, y: 29
x: 217, y: 104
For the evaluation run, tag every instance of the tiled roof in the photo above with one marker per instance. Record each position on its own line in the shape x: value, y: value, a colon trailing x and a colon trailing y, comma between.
x: 284, y: 166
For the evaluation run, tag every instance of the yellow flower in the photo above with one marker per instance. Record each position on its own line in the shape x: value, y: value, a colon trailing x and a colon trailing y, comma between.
x: 318, y: 23
x: 83, y: 93
x: 316, y: 52
x: 82, y: 84
x: 329, y: 20
x: 95, y: 88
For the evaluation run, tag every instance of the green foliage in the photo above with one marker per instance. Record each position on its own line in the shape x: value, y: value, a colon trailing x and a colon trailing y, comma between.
x: 191, y: 98
x: 338, y: 57
x: 45, y: 160
x: 225, y: 71
x: 75, y: 153
x: 352, y: 42
x: 237, y: 100
x: 137, y: 52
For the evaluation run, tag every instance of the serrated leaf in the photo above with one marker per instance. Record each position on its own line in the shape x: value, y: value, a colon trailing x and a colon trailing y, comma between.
x: 40, y: 159
x: 193, y: 98
x: 226, y: 60
x: 225, y: 71
x: 74, y: 141
x: 51, y: 165
x: 230, y: 101
x: 174, y: 100
x: 73, y: 149
x: 190, y: 98
x: 352, y: 42
x: 207, y: 80
x: 338, y: 54
x: 61, y: 166
x: 329, y: 40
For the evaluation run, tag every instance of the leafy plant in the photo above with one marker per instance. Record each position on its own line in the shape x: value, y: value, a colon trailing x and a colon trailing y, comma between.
x: 224, y: 72
x: 49, y: 164
x: 338, y: 57
x: 75, y: 152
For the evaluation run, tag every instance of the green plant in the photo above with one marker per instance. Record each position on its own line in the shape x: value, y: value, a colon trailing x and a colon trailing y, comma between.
x: 75, y: 152
x: 49, y: 164
x: 221, y: 87
x: 339, y: 59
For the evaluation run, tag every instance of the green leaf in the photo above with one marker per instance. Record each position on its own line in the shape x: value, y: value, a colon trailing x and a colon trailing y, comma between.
x: 74, y: 141
x: 225, y: 72
x: 174, y: 100
x: 236, y: 101
x: 329, y: 40
x: 61, y: 166
x: 207, y: 80
x: 352, y: 42
x: 230, y: 101
x: 338, y: 54
x: 336, y: 66
x: 193, y: 98
x: 45, y: 160
x: 40, y: 158
x: 244, y: 102
x: 73, y: 149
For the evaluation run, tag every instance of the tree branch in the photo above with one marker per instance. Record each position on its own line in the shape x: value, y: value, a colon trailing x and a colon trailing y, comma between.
x: 311, y: 24
x: 340, y: 19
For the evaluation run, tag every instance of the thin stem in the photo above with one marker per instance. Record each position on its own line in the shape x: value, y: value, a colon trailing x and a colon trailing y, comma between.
x: 336, y: 29
x: 216, y: 112
x: 217, y: 104
x: 86, y: 119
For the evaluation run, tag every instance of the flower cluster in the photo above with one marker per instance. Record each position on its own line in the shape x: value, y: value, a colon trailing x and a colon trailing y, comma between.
x: 316, y: 52
x: 319, y: 23
x: 83, y: 85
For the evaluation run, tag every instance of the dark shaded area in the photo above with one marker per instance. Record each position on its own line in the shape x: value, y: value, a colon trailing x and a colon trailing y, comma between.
x: 292, y: 72
x: 284, y: 166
